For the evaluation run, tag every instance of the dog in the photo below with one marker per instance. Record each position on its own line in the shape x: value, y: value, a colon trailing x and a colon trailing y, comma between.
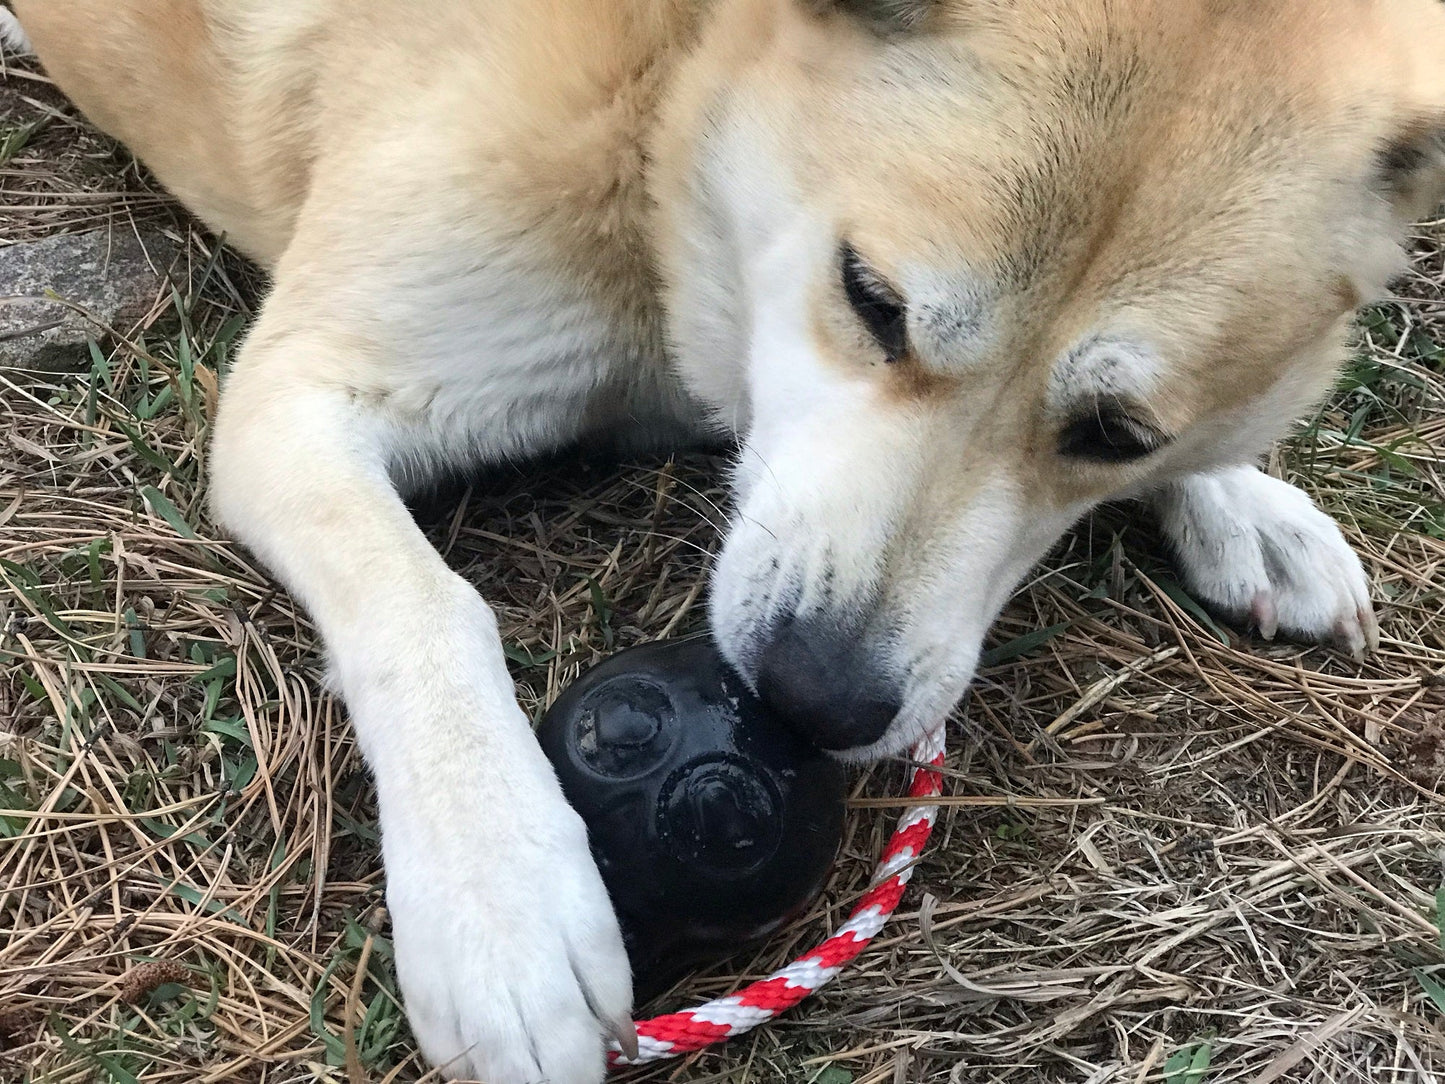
x: 949, y: 272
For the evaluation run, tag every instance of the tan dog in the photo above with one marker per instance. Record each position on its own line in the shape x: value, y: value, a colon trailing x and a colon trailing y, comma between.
x: 953, y: 272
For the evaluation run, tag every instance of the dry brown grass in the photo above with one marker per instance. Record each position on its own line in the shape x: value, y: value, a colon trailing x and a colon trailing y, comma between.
x: 1166, y: 846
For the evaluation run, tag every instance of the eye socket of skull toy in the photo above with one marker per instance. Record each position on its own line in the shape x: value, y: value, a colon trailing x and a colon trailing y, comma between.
x: 712, y: 823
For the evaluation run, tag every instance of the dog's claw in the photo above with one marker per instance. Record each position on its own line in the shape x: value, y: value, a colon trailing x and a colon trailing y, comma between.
x: 1351, y: 637
x: 1371, y: 624
x: 1265, y: 614
x: 625, y: 1032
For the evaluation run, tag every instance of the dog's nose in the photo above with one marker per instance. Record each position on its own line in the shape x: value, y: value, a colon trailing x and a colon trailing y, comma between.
x: 820, y: 679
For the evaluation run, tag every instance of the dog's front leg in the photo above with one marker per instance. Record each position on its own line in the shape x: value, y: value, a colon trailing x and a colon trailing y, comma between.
x: 507, y: 950
x: 1258, y: 549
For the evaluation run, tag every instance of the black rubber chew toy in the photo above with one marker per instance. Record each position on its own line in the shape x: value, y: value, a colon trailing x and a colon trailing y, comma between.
x: 712, y: 823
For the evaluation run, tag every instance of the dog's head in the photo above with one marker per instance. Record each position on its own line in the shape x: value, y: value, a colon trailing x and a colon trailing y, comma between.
x: 958, y: 270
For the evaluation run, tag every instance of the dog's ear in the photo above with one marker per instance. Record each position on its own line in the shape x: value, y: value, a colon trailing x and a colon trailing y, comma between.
x: 1412, y: 168
x: 882, y: 16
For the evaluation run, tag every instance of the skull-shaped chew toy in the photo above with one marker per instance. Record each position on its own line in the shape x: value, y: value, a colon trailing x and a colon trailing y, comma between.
x: 712, y: 823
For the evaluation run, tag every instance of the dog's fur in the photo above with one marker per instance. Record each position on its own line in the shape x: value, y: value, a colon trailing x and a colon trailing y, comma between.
x: 1129, y: 235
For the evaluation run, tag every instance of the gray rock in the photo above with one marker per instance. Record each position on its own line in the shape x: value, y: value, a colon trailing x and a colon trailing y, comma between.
x: 113, y: 275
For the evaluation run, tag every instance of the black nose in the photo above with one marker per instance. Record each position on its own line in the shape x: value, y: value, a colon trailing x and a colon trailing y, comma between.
x: 819, y: 677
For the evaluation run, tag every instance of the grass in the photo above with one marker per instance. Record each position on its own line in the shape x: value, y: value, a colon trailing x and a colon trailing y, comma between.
x: 1172, y: 854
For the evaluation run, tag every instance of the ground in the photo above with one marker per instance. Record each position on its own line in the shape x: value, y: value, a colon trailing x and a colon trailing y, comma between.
x: 1172, y: 852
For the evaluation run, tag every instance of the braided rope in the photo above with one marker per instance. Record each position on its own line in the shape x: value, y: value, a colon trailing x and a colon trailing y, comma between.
x: 679, y: 1033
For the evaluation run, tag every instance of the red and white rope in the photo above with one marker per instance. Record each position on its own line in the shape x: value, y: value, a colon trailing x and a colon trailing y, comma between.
x: 692, y: 1029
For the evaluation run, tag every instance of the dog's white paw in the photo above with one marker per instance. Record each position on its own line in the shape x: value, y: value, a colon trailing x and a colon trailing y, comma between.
x: 1257, y: 548
x: 510, y: 961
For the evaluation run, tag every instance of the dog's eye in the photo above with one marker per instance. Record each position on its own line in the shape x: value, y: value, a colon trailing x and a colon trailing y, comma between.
x: 877, y: 305
x: 1106, y: 434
